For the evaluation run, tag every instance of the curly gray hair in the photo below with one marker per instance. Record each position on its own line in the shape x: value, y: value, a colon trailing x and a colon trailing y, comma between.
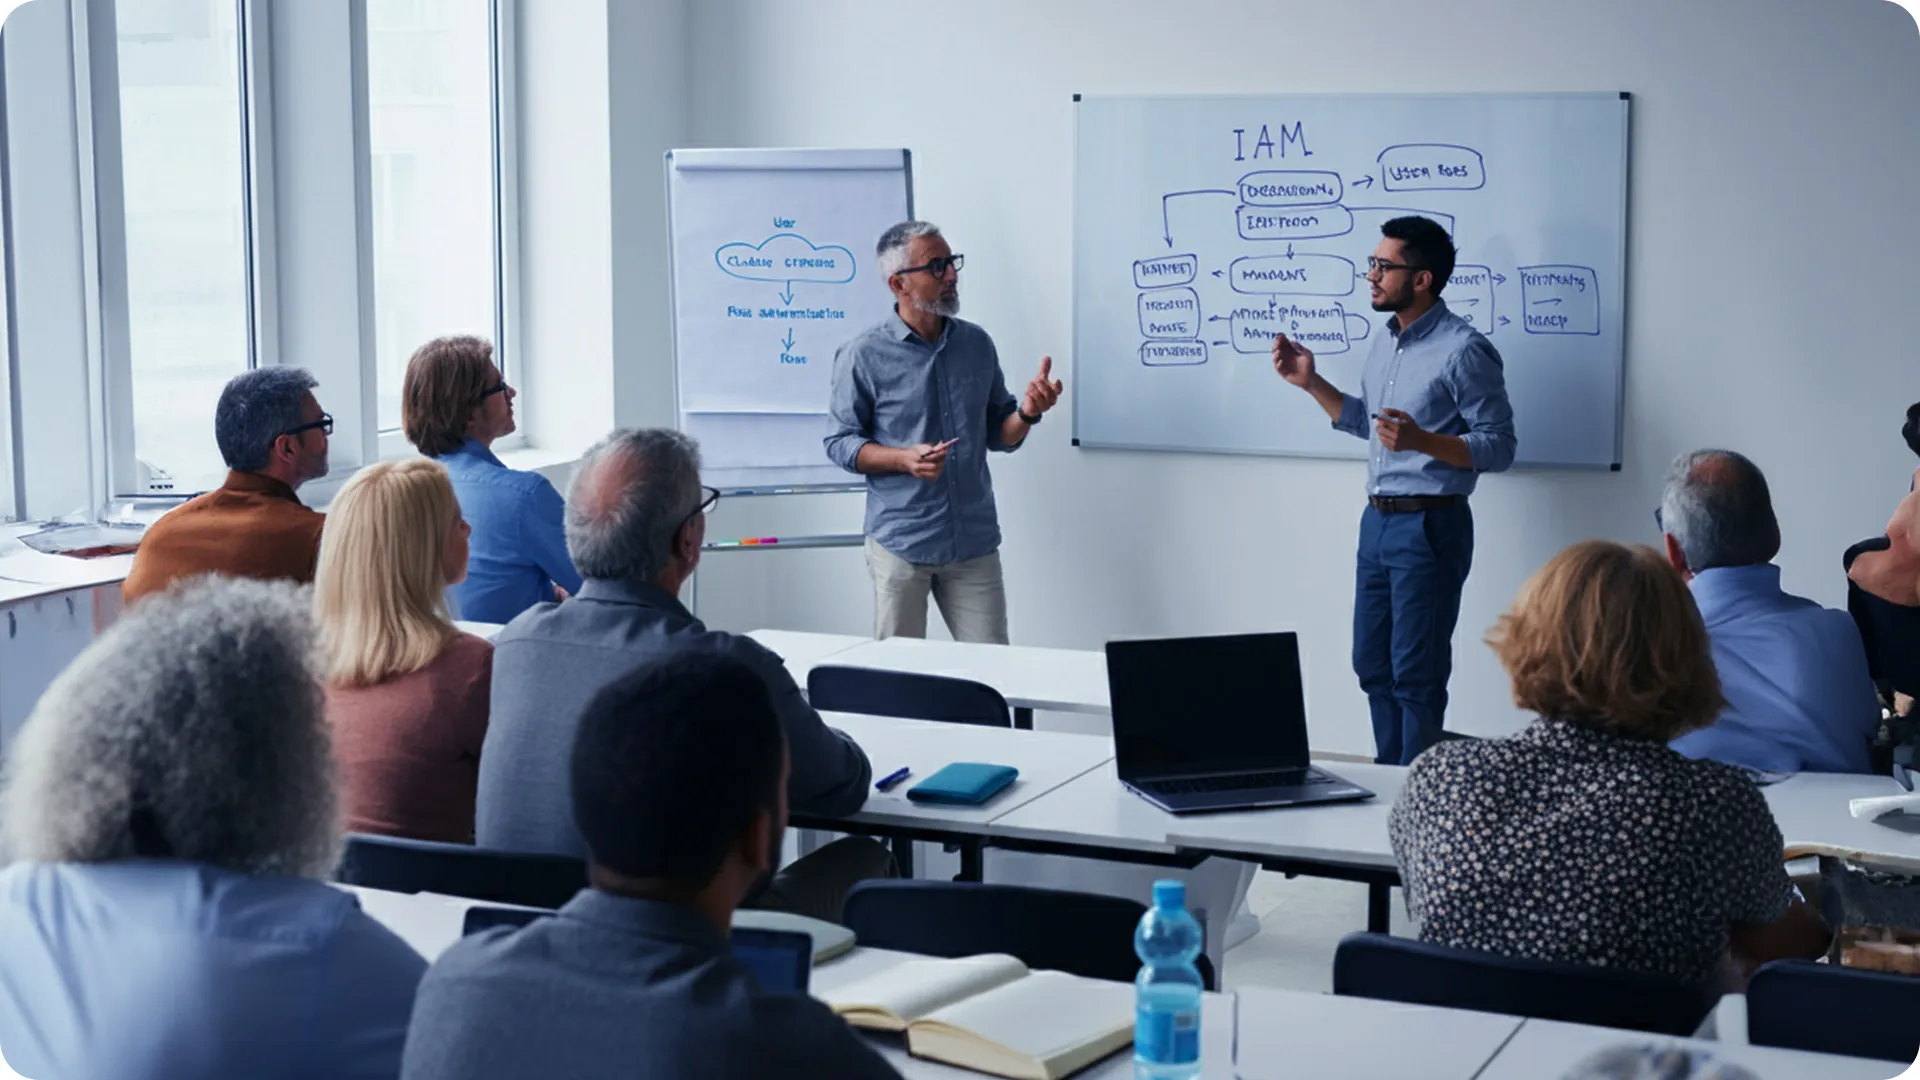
x: 193, y: 729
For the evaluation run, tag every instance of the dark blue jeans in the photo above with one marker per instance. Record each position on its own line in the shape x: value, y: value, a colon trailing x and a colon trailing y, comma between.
x: 1406, y: 599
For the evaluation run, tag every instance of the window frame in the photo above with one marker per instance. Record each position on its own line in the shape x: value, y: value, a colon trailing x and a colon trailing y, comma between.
x: 505, y: 198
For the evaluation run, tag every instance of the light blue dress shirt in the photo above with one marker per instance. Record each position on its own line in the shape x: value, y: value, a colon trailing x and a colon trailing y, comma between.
x: 163, y: 970
x: 895, y: 388
x: 1794, y: 675
x: 518, y: 551
x: 1448, y: 377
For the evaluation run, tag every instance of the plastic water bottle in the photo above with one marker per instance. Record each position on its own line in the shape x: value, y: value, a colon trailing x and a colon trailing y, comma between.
x: 1166, y: 1025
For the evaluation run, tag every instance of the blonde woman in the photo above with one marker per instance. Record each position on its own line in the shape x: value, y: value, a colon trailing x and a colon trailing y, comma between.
x: 406, y: 690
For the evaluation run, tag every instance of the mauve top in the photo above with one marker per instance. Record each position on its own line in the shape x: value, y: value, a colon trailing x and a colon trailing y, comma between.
x: 409, y: 747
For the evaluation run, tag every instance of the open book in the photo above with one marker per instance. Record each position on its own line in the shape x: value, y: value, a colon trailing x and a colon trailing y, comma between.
x: 990, y: 1014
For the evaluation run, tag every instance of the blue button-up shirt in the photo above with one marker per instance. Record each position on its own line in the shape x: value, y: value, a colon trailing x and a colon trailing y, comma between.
x: 1794, y: 675
x: 154, y: 969
x: 895, y: 388
x: 1448, y: 377
x: 518, y: 551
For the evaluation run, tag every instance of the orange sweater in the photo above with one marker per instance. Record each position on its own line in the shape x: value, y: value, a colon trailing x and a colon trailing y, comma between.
x: 252, y: 526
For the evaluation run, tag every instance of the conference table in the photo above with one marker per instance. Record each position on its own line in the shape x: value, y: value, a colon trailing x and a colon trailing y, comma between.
x: 1259, y: 1032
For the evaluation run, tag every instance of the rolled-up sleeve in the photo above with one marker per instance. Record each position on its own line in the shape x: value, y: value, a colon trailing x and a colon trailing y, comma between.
x: 1000, y: 404
x: 544, y: 536
x: 1479, y: 386
x: 849, y: 411
x: 1353, y: 417
x: 830, y: 772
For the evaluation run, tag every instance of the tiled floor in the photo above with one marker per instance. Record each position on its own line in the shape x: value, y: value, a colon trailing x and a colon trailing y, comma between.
x: 1301, y: 921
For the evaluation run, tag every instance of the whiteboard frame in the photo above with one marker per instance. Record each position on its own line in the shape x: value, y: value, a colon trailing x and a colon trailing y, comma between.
x: 779, y: 479
x: 1626, y: 195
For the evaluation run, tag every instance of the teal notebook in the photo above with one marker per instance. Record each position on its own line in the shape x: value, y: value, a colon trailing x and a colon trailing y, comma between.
x: 963, y: 783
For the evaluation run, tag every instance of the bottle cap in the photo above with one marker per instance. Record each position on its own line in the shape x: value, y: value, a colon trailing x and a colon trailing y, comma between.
x: 1168, y: 893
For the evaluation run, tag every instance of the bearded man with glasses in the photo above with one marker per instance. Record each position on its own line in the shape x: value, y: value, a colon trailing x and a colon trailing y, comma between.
x: 1434, y: 388
x: 918, y: 401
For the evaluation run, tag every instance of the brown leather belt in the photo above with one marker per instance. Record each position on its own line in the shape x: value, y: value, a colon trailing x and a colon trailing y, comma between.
x: 1411, y: 504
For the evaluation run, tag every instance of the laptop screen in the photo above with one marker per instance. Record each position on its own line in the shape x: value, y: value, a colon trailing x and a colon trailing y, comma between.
x: 781, y: 959
x: 1207, y: 704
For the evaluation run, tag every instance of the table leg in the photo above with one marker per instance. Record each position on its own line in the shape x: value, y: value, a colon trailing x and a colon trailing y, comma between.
x: 973, y: 860
x: 903, y: 855
x: 1379, y: 907
x: 1023, y: 719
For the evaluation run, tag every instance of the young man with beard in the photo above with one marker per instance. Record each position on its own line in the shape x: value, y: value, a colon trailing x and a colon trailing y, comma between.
x: 1437, y: 398
x: 917, y: 402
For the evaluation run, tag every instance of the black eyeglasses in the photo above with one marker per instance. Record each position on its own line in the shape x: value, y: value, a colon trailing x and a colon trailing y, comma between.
x: 1382, y: 266
x: 1657, y: 522
x: 325, y: 424
x: 938, y: 267
x: 709, y: 497
x: 497, y: 388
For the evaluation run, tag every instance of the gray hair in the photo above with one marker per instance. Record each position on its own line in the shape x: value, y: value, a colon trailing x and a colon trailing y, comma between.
x: 1717, y: 508
x: 193, y: 729
x: 633, y: 491
x: 891, y: 251
x: 256, y: 408
x: 1647, y: 1062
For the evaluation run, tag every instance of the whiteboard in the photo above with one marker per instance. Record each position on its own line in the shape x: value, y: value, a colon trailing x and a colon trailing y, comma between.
x: 772, y: 270
x: 1202, y: 225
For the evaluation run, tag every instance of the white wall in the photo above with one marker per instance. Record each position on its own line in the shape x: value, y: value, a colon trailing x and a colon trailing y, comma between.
x: 1767, y: 305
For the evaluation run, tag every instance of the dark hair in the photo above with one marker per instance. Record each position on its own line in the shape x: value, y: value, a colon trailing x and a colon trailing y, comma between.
x: 671, y: 763
x: 444, y: 382
x: 1912, y: 431
x: 257, y: 407
x: 1427, y: 246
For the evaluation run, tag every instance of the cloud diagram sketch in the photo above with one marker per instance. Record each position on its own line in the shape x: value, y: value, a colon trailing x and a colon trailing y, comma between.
x: 1205, y: 226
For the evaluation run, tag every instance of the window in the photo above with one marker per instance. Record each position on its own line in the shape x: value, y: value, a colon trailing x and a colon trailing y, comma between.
x: 432, y: 92
x: 183, y: 185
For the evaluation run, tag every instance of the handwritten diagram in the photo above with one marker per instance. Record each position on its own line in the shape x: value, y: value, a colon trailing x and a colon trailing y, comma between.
x: 1301, y: 266
x: 788, y: 259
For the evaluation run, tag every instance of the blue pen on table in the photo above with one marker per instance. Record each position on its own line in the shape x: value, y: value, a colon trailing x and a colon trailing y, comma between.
x: 889, y: 781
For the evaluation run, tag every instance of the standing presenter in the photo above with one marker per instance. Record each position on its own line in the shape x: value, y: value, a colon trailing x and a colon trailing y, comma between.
x: 917, y: 402
x: 1433, y: 408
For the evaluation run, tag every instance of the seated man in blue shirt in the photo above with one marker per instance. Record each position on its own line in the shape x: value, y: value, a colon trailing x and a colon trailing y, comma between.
x: 171, y: 802
x: 1794, y: 673
x: 679, y: 786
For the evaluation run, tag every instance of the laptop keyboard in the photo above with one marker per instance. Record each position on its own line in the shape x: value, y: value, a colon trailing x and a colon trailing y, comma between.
x: 1242, y: 782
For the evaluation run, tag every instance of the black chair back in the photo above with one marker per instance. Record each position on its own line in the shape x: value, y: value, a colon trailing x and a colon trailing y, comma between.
x: 1834, y: 1010
x: 837, y: 688
x: 504, y: 877
x: 480, y: 918
x: 1402, y: 969
x: 1079, y: 933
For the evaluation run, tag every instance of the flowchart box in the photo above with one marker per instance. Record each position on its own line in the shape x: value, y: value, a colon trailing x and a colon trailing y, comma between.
x: 1291, y: 187
x: 1293, y: 223
x: 1170, y: 314
x: 1327, y: 329
x: 1173, y: 353
x: 1298, y: 274
x: 1471, y: 295
x: 1431, y: 167
x: 1165, y: 270
x: 1560, y: 299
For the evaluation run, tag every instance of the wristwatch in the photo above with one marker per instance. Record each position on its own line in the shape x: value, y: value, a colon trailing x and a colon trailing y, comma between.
x: 1031, y: 420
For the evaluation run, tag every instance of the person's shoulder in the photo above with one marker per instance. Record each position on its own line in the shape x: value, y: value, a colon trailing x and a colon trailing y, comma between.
x: 464, y: 650
x: 869, y: 337
x: 970, y: 333
x: 795, y: 1033
x: 740, y: 647
x: 1717, y: 783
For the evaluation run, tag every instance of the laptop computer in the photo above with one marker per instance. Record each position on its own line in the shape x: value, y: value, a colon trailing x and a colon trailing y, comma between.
x: 1215, y: 723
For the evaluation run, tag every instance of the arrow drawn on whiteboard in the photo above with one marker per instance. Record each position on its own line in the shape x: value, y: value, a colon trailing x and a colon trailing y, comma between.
x: 1469, y: 301
x: 1218, y: 318
x: 1504, y: 320
x: 1364, y: 182
x: 787, y: 297
x: 1549, y: 300
x: 787, y: 342
x: 1219, y: 273
x: 1289, y: 251
x: 1166, y: 228
x: 1223, y: 343
x: 1499, y: 279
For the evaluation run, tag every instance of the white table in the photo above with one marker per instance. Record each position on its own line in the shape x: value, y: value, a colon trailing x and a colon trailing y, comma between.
x: 1282, y: 1033
x: 1547, y: 1049
x: 804, y: 650
x: 429, y: 922
x: 1811, y: 810
x: 1096, y: 815
x: 486, y: 631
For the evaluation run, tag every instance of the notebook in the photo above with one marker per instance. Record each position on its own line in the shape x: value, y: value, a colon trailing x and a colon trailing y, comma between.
x: 990, y: 1014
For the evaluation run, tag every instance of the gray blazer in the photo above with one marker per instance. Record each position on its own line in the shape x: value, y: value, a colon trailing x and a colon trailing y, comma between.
x: 616, y: 986
x: 551, y: 660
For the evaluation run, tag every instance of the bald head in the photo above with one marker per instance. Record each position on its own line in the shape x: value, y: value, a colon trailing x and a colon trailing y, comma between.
x: 1719, y: 511
x: 634, y: 492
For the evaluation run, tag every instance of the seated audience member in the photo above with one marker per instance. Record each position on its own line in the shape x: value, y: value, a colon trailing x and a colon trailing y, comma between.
x: 634, y: 527
x: 406, y: 690
x: 1799, y: 697
x: 273, y: 437
x: 1883, y: 595
x: 1585, y: 838
x: 453, y: 405
x: 170, y: 803
x: 679, y: 788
